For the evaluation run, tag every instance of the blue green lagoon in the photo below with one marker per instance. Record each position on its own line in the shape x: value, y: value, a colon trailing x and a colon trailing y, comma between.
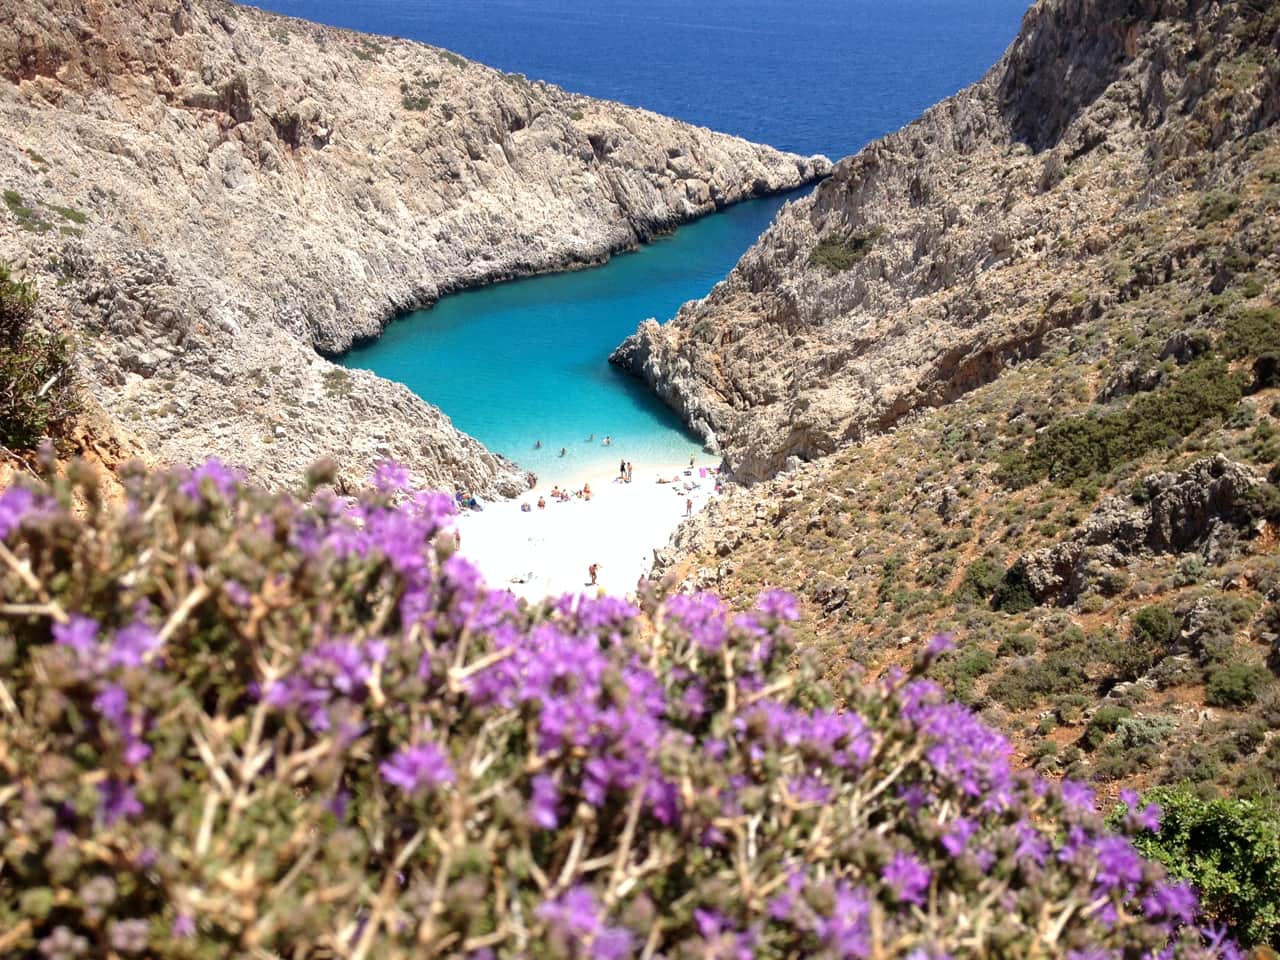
x: 527, y: 361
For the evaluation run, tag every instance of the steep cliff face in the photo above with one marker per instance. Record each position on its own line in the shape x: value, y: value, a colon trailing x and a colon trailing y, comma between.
x: 941, y: 254
x: 213, y: 194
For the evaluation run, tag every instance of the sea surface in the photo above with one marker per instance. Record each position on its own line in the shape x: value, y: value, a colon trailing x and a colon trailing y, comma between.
x: 527, y: 361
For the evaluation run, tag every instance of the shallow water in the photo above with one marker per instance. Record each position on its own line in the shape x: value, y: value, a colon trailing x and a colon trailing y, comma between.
x: 527, y: 361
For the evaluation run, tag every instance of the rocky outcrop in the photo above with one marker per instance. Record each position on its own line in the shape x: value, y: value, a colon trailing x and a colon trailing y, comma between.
x: 1202, y: 509
x: 941, y: 254
x: 212, y: 196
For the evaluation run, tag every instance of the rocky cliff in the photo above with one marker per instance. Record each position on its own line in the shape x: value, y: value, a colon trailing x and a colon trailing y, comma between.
x: 213, y: 197
x: 938, y: 256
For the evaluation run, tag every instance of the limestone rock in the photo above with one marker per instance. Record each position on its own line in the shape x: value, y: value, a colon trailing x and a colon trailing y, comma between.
x: 220, y: 196
x: 961, y: 244
x: 1202, y: 508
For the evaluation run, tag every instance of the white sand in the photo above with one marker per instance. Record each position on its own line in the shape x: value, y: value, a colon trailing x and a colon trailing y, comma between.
x: 550, y: 549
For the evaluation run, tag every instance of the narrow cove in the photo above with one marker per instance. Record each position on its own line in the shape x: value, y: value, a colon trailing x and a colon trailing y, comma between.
x: 524, y: 362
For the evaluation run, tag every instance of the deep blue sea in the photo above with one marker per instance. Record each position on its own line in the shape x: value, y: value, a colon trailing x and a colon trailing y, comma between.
x: 526, y: 361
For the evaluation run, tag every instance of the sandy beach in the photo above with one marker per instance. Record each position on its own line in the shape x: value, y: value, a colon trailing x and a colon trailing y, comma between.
x: 547, y: 551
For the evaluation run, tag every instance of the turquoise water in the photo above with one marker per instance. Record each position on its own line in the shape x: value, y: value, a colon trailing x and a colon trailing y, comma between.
x: 525, y: 361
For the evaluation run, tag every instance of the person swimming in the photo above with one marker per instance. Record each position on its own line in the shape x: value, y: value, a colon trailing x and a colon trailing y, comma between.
x: 537, y: 444
x: 563, y: 451
x: 591, y: 439
x: 606, y: 441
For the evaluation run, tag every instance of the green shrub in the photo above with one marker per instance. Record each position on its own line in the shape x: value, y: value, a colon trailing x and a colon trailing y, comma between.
x: 1251, y: 332
x: 1235, y: 684
x: 39, y: 396
x: 844, y: 251
x: 1077, y: 448
x: 1013, y: 595
x: 981, y: 579
x: 1228, y: 849
x: 1102, y: 723
x: 1216, y: 206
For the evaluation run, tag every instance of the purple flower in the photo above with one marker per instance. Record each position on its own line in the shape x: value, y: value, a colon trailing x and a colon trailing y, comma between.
x: 847, y: 932
x: 1119, y: 864
x: 15, y: 504
x: 955, y: 840
x: 237, y: 593
x: 778, y: 604
x: 709, y: 922
x: 112, y: 703
x: 1139, y: 817
x: 543, y: 803
x: 131, y: 645
x: 219, y: 477
x: 184, y: 926
x: 79, y: 633
x: 413, y: 768
x: 390, y: 477
x: 702, y: 616
x: 116, y: 801
x: 1076, y: 797
x: 907, y: 877
x: 578, y: 918
x: 1176, y: 901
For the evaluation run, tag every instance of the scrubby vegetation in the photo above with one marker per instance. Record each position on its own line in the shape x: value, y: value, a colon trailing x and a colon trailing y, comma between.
x: 39, y: 397
x: 842, y: 252
x: 233, y: 724
x: 1152, y: 664
x: 1075, y: 449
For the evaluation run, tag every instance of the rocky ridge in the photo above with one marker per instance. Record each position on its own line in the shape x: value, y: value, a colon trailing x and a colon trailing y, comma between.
x: 938, y: 256
x: 214, y: 197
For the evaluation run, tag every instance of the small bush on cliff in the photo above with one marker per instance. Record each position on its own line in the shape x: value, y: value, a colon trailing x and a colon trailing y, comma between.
x: 1228, y: 850
x: 1078, y: 448
x: 842, y: 252
x: 38, y: 394
x: 1235, y: 684
x: 234, y: 725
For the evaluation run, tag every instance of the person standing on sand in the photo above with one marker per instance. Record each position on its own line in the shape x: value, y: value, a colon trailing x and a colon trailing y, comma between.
x: 688, y: 506
x: 622, y: 469
x: 593, y: 570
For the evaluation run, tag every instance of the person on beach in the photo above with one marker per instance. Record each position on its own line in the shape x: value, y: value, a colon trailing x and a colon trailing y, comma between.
x: 537, y: 444
x: 562, y: 451
x: 593, y: 570
x: 586, y: 490
x: 591, y: 439
x: 525, y: 508
x: 542, y: 503
x: 622, y: 469
x: 691, y: 461
x: 630, y: 468
x: 607, y: 440
x: 688, y: 506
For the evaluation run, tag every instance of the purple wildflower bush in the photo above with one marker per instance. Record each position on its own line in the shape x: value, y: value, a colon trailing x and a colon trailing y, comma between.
x: 242, y: 723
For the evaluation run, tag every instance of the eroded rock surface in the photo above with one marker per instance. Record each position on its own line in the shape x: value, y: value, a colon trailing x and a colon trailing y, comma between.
x: 1202, y: 509
x: 212, y: 195
x: 939, y: 255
